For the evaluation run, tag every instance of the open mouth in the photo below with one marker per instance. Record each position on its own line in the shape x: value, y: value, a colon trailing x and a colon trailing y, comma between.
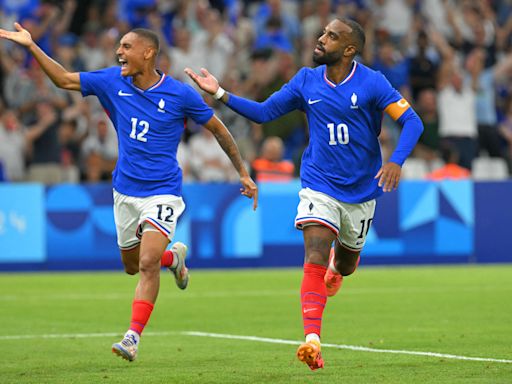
x: 319, y: 49
x: 123, y: 63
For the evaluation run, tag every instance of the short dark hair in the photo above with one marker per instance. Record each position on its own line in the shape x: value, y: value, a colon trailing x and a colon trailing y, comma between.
x: 357, y: 33
x: 148, y: 35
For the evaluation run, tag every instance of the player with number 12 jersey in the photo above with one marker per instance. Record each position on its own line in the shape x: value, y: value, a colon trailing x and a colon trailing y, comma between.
x: 149, y: 126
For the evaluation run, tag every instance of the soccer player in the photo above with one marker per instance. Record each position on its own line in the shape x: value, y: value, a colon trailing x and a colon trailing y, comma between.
x: 341, y: 172
x: 148, y: 109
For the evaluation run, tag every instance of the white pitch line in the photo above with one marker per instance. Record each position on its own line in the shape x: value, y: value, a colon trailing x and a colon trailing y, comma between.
x: 343, y: 346
x: 257, y: 339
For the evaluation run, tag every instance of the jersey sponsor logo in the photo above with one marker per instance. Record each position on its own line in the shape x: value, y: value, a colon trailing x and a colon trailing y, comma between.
x: 353, y: 100
x: 311, y: 102
x: 121, y: 93
x: 161, y: 106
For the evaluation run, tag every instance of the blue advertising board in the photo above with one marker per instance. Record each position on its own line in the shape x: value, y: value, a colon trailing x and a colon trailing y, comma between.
x: 71, y: 226
x: 22, y: 223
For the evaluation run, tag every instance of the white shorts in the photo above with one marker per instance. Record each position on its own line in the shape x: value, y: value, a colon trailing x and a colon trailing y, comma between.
x: 135, y: 215
x: 350, y: 222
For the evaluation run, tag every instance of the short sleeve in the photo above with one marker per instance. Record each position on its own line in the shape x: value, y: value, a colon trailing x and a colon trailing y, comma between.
x: 195, y: 107
x: 96, y: 82
x: 384, y: 92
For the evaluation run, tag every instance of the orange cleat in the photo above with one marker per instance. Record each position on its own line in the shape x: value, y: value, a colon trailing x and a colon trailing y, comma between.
x: 332, y: 280
x: 309, y: 353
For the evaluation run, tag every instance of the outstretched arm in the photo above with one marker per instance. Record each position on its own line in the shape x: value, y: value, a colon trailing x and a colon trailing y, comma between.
x: 229, y: 146
x: 60, y: 76
x: 279, y: 104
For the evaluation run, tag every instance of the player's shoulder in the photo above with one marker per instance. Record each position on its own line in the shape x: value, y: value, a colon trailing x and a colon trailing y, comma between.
x: 373, y: 78
x: 176, y: 85
x: 307, y: 75
x: 368, y: 72
x: 114, y: 72
x: 309, y: 72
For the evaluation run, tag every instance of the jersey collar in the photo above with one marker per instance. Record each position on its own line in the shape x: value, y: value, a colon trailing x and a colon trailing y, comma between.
x: 349, y: 76
x: 156, y: 85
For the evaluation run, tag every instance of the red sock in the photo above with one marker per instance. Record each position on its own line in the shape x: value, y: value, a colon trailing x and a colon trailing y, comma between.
x: 313, y: 297
x: 141, y: 310
x: 167, y: 259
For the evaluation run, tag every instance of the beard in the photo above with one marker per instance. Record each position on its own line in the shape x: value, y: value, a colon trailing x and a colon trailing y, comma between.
x: 327, y: 58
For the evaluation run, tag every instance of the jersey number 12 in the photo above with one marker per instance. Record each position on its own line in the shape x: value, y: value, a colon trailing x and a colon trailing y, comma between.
x: 339, y: 132
x: 144, y: 129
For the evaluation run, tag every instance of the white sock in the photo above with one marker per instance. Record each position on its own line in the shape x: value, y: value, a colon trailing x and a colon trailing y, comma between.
x: 312, y: 336
x: 135, y: 334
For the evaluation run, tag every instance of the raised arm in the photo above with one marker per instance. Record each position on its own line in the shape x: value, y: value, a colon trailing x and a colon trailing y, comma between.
x: 279, y: 104
x: 229, y: 146
x: 60, y: 76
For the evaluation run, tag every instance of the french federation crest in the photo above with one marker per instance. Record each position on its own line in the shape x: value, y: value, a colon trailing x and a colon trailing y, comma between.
x: 353, y: 99
x: 161, y: 106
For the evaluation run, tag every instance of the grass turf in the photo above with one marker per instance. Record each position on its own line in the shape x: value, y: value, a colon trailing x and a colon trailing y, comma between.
x: 460, y: 310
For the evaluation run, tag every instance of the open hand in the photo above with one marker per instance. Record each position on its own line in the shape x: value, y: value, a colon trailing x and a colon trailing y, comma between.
x: 389, y: 176
x: 22, y: 36
x: 250, y: 190
x: 207, y: 82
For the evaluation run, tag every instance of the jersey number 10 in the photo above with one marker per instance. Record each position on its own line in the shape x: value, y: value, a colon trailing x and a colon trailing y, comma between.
x: 341, y: 134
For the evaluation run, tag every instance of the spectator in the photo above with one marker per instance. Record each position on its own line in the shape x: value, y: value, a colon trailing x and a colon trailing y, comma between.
x: 45, y: 155
x: 13, y: 146
x: 99, y: 151
x: 428, y: 145
x: 208, y: 161
x: 506, y: 131
x: 270, y: 165
x: 273, y: 37
x: 450, y: 170
x: 457, y: 89
x: 422, y: 69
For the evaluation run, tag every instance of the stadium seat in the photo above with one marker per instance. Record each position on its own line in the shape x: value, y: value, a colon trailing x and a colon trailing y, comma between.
x: 414, y: 169
x: 489, y: 168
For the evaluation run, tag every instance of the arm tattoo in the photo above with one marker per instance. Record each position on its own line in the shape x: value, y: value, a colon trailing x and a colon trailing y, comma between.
x: 229, y: 146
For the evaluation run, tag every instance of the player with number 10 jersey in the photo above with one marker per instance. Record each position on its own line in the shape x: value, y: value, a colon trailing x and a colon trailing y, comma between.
x: 343, y: 155
x: 341, y: 171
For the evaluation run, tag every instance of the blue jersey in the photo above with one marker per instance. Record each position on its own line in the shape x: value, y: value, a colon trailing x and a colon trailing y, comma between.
x: 343, y: 155
x: 149, y: 125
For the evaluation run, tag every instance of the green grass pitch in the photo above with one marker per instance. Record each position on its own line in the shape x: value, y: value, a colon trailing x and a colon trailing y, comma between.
x: 58, y: 327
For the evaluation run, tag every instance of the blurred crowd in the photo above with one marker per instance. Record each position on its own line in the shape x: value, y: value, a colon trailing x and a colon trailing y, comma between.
x: 451, y: 59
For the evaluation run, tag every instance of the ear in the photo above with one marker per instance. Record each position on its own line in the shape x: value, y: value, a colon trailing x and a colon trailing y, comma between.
x: 350, y: 50
x: 149, y: 53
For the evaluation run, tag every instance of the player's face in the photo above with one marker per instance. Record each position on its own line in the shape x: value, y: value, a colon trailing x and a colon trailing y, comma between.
x: 333, y: 42
x: 130, y: 54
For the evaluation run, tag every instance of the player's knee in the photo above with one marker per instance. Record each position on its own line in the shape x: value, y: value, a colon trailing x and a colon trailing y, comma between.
x: 149, y: 264
x: 131, y: 269
x: 345, y: 268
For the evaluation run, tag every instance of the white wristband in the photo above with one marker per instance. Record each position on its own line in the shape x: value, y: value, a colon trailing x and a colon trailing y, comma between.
x: 220, y: 92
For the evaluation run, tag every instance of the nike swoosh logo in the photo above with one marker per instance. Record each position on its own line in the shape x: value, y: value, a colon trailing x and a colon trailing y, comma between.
x: 121, y: 93
x: 313, y: 101
x: 309, y: 310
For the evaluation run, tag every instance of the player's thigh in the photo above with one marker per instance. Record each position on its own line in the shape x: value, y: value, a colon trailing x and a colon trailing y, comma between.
x: 356, y: 220
x: 316, y: 208
x: 160, y: 213
x: 126, y: 218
